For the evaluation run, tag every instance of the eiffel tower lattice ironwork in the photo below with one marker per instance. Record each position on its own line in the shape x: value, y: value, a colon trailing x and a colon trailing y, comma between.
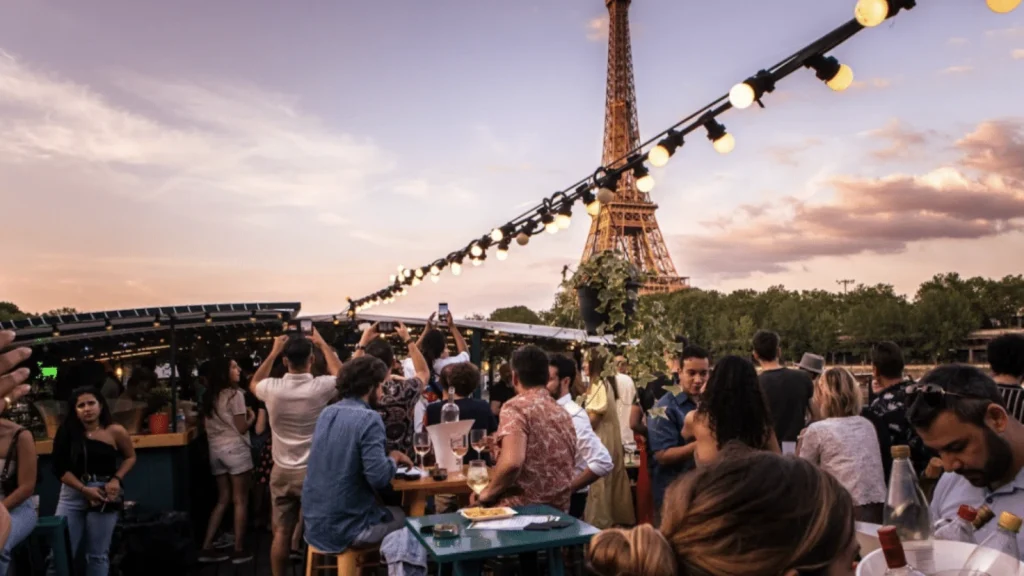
x: 628, y: 223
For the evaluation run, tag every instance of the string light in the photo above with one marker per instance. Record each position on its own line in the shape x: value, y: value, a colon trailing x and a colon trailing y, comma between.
x: 209, y: 319
x: 435, y: 278
x: 644, y: 180
x: 871, y: 13
x: 1003, y: 6
x: 56, y: 331
x: 836, y: 76
x: 554, y: 213
x: 156, y: 320
x: 107, y: 325
x: 721, y: 141
x: 660, y: 154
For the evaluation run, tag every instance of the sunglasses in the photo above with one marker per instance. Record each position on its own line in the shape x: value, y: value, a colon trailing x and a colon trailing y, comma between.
x: 934, y: 395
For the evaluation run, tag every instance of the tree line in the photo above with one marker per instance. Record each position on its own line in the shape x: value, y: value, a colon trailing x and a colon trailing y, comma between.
x: 930, y: 325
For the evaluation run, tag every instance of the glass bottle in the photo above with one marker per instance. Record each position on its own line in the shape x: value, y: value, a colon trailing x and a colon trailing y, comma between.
x: 895, y: 558
x: 961, y: 529
x: 998, y: 555
x: 906, y: 509
x: 450, y: 411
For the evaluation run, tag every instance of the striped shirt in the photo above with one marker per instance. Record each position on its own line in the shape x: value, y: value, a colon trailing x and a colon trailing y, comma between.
x: 1013, y: 400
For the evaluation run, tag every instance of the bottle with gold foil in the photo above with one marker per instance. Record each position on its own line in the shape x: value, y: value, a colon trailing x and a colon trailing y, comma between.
x: 930, y: 477
x: 983, y: 517
x: 998, y: 555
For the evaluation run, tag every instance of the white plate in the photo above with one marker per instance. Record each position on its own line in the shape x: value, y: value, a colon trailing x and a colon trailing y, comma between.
x: 948, y: 556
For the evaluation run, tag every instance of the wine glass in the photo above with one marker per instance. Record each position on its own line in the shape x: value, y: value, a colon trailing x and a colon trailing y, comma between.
x: 460, y: 446
x: 478, y: 439
x: 421, y: 444
x: 477, y: 477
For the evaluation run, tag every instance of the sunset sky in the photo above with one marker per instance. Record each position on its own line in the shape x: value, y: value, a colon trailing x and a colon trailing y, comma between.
x: 158, y: 153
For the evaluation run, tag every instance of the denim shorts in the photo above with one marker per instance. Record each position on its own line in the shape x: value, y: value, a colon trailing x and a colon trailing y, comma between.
x: 234, y: 459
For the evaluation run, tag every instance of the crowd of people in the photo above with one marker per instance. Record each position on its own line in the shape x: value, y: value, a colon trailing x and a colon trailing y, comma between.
x: 751, y: 471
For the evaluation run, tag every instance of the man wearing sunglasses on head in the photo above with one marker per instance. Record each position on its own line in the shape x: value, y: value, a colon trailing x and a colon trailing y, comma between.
x: 958, y: 412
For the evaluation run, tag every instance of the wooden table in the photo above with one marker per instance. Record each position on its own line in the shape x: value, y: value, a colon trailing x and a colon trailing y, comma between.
x: 468, y: 551
x: 415, y: 492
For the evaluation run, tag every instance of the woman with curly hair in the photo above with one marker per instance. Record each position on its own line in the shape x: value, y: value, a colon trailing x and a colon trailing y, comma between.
x: 732, y: 408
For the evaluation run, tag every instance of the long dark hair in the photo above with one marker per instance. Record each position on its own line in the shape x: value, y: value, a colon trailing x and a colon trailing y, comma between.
x: 734, y: 404
x: 72, y: 432
x: 432, y: 346
x: 596, y: 365
x: 218, y: 379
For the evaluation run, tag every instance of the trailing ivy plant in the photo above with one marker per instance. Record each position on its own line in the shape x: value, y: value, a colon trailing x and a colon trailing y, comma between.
x: 645, y: 337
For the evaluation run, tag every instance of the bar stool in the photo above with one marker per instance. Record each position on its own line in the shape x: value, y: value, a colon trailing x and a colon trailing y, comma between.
x: 348, y: 563
x: 54, y: 530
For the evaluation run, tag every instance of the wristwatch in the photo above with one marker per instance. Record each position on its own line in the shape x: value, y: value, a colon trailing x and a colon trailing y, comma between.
x: 407, y: 341
x: 360, y: 347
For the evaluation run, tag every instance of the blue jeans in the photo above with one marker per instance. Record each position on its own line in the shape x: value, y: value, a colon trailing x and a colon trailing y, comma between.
x: 95, y: 528
x: 23, y: 520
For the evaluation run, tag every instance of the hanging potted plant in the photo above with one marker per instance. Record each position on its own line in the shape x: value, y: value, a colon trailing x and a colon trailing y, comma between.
x: 607, y: 287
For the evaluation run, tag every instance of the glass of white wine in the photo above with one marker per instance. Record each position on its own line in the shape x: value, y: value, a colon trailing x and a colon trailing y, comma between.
x: 477, y: 476
x: 421, y: 444
x: 478, y: 439
x: 460, y: 446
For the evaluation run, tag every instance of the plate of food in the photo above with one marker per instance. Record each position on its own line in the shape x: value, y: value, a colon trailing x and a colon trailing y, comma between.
x: 479, y: 514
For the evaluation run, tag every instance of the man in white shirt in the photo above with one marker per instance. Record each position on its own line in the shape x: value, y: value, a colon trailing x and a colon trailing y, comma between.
x: 958, y: 412
x: 294, y: 403
x: 434, y: 347
x: 592, y: 458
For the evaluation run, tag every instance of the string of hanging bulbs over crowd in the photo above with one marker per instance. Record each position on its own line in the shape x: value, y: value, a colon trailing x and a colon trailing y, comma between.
x: 554, y: 213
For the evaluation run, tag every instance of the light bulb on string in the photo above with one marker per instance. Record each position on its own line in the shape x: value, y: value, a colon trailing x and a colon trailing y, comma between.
x: 392, y: 278
x: 660, y: 154
x: 563, y: 219
x: 549, y: 222
x: 419, y: 272
x: 871, y: 13
x: 435, y: 278
x: 1002, y: 6
x: 416, y: 281
x: 401, y: 269
x: 742, y: 95
x: 456, y: 268
x: 836, y: 76
x: 477, y: 261
x: 721, y: 141
x: 435, y: 270
x: 475, y: 250
x: 590, y: 201
x: 644, y: 180
x: 497, y: 235
x: 522, y: 238
x: 502, y: 253
x: 408, y: 273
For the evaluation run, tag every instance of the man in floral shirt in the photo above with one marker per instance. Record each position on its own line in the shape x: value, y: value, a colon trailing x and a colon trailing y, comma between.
x: 536, y: 441
x: 888, y: 409
x: 398, y: 395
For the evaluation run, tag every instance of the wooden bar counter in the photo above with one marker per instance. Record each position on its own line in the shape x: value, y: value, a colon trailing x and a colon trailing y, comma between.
x: 159, y: 481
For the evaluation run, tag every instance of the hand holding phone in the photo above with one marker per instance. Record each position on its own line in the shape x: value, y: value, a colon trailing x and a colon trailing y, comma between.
x: 307, y: 327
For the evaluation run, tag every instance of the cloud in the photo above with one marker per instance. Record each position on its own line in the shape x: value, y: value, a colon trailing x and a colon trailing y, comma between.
x: 423, y: 189
x: 597, y: 29
x: 213, y: 142
x: 958, y: 41
x: 1014, y: 32
x: 1018, y: 54
x: 787, y: 153
x: 902, y: 141
x: 982, y: 196
x: 961, y: 69
x: 872, y: 84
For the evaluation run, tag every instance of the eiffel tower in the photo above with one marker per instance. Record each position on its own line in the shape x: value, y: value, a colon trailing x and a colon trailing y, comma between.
x: 628, y: 222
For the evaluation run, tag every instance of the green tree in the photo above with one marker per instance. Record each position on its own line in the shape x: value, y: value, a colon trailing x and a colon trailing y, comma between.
x: 10, y: 311
x: 516, y: 314
x: 942, y: 319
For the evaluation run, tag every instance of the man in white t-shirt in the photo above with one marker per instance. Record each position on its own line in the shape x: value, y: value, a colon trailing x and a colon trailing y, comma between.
x: 294, y: 403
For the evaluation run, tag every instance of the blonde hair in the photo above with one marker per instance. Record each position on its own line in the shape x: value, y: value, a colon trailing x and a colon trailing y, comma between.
x: 837, y: 394
x: 641, y: 551
x: 752, y: 513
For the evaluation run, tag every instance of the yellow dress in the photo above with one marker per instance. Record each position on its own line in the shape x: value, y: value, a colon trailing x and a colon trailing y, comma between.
x: 610, y: 502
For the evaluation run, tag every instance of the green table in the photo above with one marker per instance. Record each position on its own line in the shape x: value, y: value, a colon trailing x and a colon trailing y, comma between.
x: 468, y: 550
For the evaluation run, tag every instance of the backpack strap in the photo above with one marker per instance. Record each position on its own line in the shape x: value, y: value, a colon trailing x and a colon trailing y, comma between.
x: 12, y: 453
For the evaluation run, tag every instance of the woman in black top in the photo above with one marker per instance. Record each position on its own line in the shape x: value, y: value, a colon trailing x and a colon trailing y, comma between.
x: 17, y: 478
x: 85, y: 453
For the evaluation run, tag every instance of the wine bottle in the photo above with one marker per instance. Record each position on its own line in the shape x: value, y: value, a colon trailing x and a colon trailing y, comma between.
x: 450, y: 411
x: 892, y: 550
x: 998, y: 555
x: 961, y: 529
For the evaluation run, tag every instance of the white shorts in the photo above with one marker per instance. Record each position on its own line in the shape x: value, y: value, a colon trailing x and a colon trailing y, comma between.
x: 234, y: 459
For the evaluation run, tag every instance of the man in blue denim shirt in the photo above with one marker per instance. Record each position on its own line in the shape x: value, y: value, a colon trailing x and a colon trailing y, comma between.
x: 672, y: 454
x: 348, y: 465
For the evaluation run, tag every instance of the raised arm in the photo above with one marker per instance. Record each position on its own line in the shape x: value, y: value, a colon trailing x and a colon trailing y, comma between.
x: 333, y: 362
x: 460, y: 342
x: 419, y: 363
x: 263, y: 372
